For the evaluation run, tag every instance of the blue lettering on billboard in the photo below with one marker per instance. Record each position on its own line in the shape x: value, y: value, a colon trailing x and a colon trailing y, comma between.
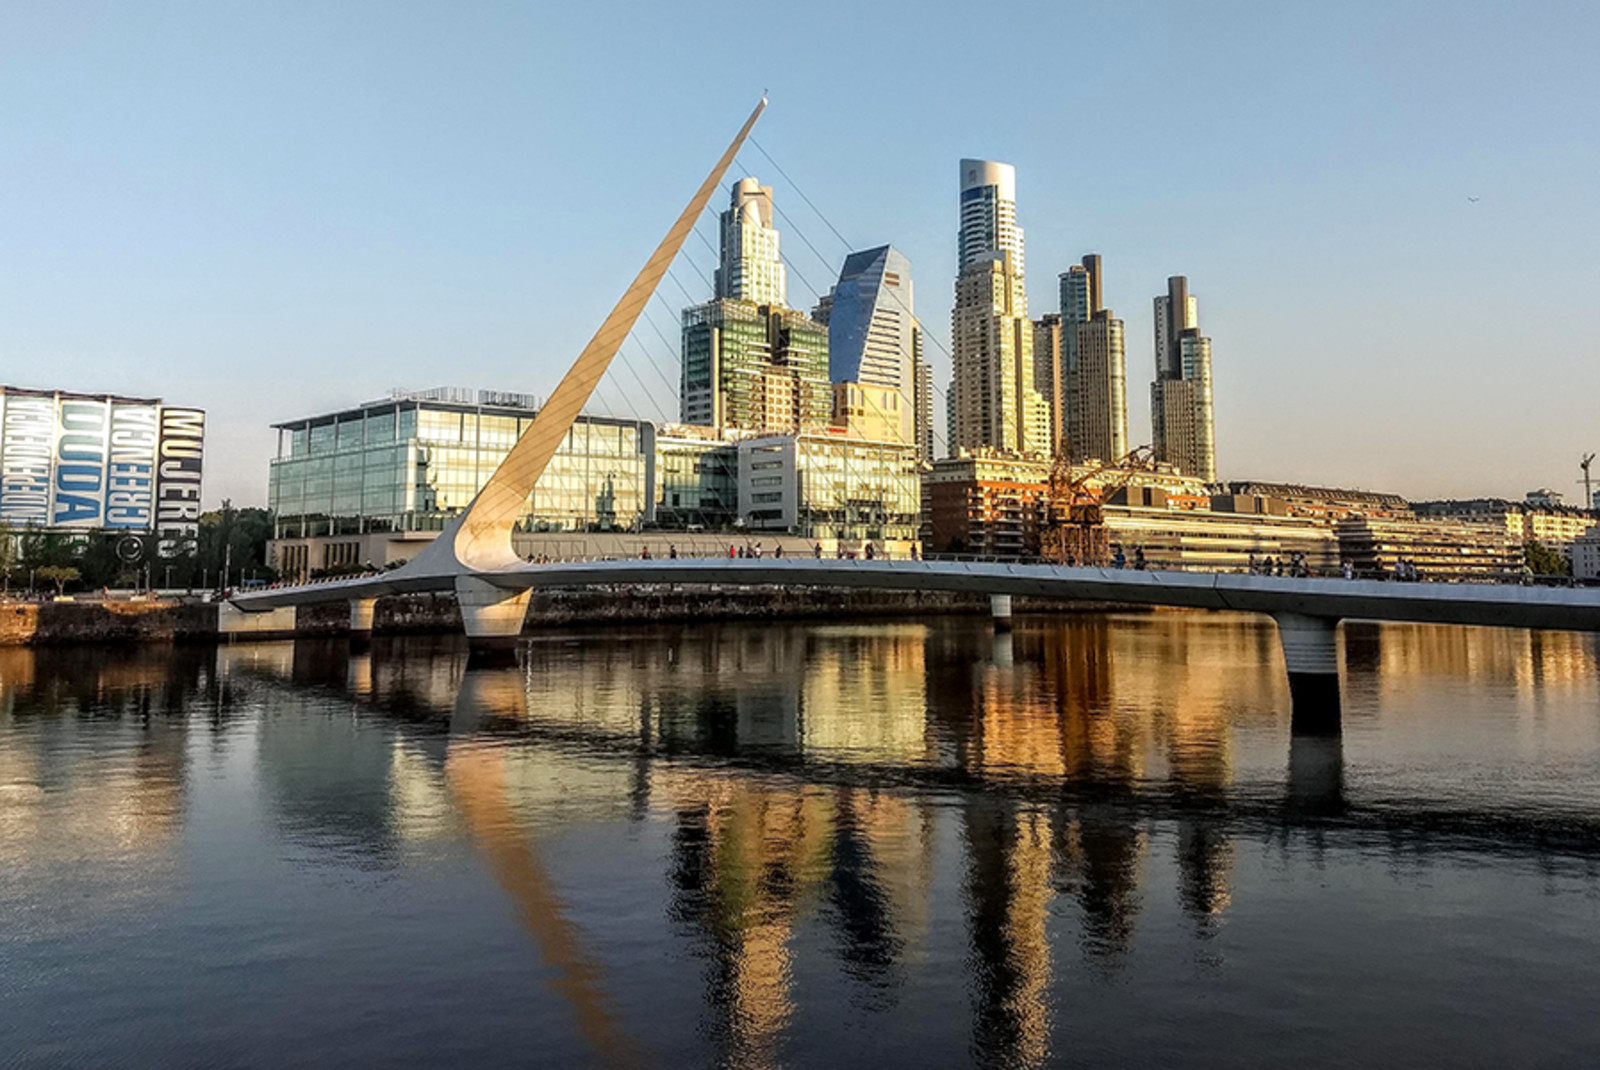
x: 80, y: 470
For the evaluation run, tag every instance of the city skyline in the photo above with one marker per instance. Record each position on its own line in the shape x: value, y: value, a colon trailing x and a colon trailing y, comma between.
x: 157, y: 250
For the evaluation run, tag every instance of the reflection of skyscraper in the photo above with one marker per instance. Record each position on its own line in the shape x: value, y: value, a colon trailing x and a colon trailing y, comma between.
x: 996, y: 405
x: 743, y: 858
x: 1008, y: 892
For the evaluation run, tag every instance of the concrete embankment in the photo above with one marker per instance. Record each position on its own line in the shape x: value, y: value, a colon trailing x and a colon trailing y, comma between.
x: 116, y: 621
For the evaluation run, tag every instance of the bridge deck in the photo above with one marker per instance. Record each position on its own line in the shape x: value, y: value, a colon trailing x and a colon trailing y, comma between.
x: 1575, y: 609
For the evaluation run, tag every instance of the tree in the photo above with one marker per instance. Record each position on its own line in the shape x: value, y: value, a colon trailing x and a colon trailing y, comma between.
x: 60, y: 575
x: 41, y: 549
x: 1543, y: 561
x: 235, y: 539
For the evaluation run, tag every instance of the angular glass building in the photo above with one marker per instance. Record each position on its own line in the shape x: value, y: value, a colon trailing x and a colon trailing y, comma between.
x: 410, y: 463
x: 872, y: 329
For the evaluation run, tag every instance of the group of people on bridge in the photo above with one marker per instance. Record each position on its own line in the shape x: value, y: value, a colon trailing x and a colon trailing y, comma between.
x: 1293, y: 565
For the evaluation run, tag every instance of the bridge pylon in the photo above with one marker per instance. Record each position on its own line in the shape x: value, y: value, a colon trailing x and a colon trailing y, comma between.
x: 478, y: 542
x: 1311, y: 656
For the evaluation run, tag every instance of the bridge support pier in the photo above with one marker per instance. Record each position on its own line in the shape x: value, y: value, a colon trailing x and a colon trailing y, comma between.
x: 1000, y: 611
x: 493, y: 617
x: 362, y: 612
x: 1311, y: 654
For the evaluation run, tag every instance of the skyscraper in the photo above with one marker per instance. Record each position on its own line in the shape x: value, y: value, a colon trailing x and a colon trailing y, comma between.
x: 988, y: 214
x: 872, y: 332
x: 750, y: 363
x: 996, y: 406
x: 922, y: 403
x: 1082, y: 369
x: 751, y: 268
x: 1050, y: 374
x: 1181, y: 420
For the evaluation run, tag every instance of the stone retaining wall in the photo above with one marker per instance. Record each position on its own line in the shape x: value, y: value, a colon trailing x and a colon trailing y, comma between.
x: 117, y: 622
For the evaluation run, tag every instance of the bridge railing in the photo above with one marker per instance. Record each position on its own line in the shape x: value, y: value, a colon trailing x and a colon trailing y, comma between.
x: 752, y: 551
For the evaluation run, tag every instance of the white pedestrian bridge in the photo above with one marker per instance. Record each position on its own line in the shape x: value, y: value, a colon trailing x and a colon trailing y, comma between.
x: 1307, y: 611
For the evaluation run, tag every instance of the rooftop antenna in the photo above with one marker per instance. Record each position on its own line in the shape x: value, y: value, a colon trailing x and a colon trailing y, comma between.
x: 1588, y: 488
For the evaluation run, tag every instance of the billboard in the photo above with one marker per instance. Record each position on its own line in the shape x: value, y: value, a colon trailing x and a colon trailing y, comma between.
x: 27, y: 448
x: 78, y: 488
x: 79, y: 462
x: 179, y: 452
x: 131, y: 472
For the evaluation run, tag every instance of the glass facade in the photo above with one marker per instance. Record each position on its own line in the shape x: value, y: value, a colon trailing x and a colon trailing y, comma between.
x: 822, y: 486
x: 754, y: 368
x: 696, y: 482
x: 411, y: 465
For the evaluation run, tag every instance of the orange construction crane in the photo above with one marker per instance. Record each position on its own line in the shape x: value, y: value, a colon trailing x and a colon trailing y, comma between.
x: 1073, y: 521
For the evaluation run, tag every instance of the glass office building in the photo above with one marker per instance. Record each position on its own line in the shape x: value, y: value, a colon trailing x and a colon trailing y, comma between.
x: 411, y: 462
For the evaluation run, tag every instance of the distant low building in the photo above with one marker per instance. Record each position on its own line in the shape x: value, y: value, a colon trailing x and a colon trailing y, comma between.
x: 1440, y: 547
x: 1539, y: 518
x: 74, y: 463
x: 1326, y: 503
x: 1218, y: 541
x: 990, y: 503
x: 696, y: 478
x: 1586, y: 555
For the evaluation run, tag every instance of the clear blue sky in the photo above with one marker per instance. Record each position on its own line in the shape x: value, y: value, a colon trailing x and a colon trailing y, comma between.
x: 269, y: 210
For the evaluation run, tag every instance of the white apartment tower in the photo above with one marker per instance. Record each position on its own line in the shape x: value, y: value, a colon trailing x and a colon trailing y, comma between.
x: 988, y: 214
x: 996, y: 406
x: 750, y: 267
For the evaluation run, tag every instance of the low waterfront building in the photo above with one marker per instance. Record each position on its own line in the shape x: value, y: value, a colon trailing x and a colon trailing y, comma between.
x: 1216, y: 541
x: 989, y: 503
x: 697, y: 479
x: 374, y: 483
x: 984, y: 503
x: 831, y: 488
x: 1440, y: 547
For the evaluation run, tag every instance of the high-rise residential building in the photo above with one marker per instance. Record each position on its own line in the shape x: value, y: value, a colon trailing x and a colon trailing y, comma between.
x: 751, y: 364
x: 995, y: 404
x: 1181, y: 421
x: 1081, y: 369
x: 1100, y: 391
x: 1170, y: 326
x: 922, y: 403
x: 872, y: 333
x: 1050, y: 374
x: 988, y: 214
x: 751, y: 268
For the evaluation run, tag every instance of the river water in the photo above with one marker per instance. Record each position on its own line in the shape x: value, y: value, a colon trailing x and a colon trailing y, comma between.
x: 1092, y: 842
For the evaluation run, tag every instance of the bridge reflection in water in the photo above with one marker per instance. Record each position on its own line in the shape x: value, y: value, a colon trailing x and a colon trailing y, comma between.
x: 834, y: 801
